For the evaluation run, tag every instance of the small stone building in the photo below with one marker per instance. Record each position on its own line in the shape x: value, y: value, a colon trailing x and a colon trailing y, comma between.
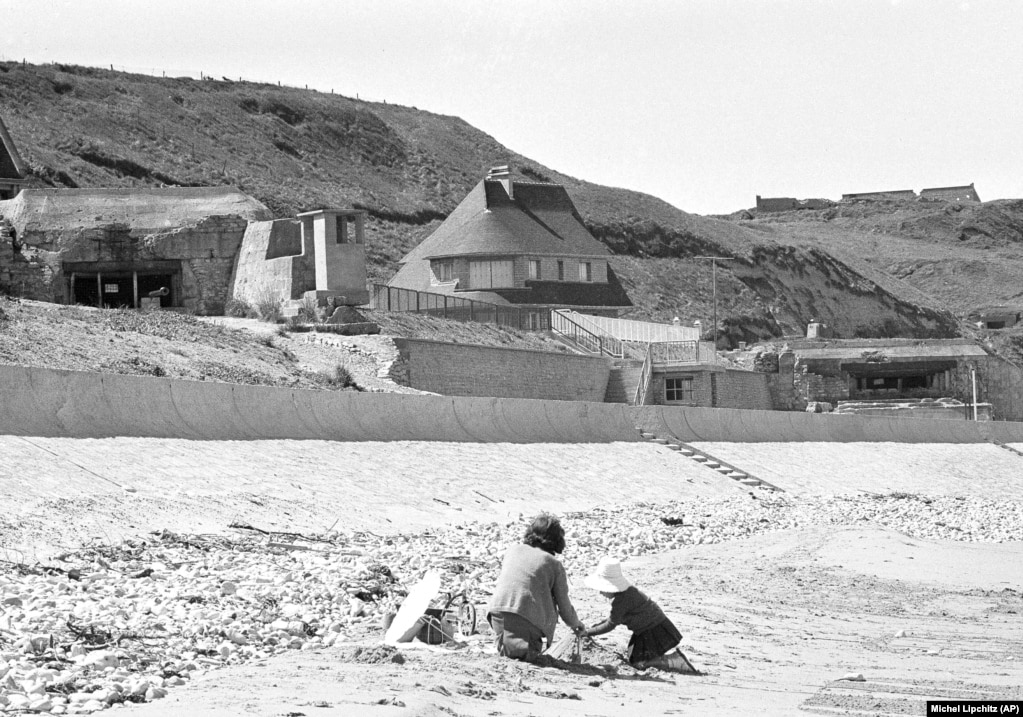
x: 833, y: 371
x: 518, y: 243
x: 995, y: 318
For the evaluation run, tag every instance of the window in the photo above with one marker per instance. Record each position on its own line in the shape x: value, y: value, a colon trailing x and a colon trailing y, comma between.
x: 348, y: 230
x: 678, y: 389
x: 585, y: 271
x: 491, y: 274
x: 444, y: 270
x: 534, y: 268
x: 561, y: 270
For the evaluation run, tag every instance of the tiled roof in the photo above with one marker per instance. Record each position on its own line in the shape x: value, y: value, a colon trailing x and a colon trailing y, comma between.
x: 416, y: 275
x: 540, y: 220
x: 569, y: 293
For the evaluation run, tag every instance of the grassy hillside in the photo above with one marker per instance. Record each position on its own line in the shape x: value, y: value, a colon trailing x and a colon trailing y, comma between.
x: 959, y: 256
x: 297, y: 150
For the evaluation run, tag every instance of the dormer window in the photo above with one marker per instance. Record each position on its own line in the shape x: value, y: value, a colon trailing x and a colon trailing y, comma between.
x: 444, y: 270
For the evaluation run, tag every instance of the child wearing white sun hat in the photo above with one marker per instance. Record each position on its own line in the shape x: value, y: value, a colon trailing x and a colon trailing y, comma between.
x: 653, y: 634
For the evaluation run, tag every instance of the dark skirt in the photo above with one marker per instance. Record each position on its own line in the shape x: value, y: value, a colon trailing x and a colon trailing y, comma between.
x: 651, y: 644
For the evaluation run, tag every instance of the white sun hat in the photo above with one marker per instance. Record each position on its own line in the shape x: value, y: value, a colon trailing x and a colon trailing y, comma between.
x: 608, y: 577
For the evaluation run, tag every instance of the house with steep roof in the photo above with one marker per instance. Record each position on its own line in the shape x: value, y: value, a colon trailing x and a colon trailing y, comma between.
x: 516, y: 243
x: 12, y: 167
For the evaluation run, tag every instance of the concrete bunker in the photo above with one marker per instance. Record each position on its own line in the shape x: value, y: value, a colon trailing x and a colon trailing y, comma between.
x: 109, y: 285
x: 176, y: 248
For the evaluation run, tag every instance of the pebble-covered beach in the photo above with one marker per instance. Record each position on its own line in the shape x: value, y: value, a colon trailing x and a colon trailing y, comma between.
x: 116, y: 623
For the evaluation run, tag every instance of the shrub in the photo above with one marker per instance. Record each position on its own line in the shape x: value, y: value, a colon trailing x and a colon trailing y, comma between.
x: 309, y: 311
x: 268, y: 305
x: 238, y: 308
x: 342, y: 377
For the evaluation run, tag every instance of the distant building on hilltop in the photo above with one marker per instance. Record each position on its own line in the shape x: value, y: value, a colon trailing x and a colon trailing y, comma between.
x: 897, y: 194
x: 785, y: 204
x: 12, y: 168
x: 951, y: 194
x: 518, y: 243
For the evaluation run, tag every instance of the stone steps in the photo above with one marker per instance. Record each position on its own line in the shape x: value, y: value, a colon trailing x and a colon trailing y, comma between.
x: 720, y: 467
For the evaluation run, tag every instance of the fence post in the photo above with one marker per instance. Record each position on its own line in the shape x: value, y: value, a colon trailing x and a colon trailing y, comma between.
x: 417, y: 302
x: 445, y: 306
x: 471, y: 302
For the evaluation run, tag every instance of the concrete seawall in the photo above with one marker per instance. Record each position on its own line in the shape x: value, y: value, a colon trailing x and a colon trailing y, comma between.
x: 73, y: 404
x: 693, y: 425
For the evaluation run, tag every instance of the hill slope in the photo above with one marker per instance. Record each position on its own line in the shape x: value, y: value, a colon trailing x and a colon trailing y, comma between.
x: 296, y: 150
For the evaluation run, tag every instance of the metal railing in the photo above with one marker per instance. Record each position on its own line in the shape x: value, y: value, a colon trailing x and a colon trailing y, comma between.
x: 674, y: 352
x: 567, y: 324
x: 645, y: 332
x: 445, y: 306
x: 644, y: 377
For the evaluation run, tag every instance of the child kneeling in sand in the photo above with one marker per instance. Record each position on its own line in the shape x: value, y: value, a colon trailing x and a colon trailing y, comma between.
x: 653, y: 634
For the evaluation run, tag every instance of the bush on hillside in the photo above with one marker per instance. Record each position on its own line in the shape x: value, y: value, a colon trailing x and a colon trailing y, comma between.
x: 309, y: 311
x: 238, y: 309
x: 269, y: 305
x: 342, y: 378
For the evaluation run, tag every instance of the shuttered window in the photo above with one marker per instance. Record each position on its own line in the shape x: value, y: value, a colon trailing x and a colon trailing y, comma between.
x: 491, y: 274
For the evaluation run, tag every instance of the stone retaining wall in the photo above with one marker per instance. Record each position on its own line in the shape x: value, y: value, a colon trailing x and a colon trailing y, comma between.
x: 466, y: 370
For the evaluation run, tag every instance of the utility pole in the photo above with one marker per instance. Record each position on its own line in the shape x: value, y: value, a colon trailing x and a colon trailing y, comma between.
x: 714, y: 284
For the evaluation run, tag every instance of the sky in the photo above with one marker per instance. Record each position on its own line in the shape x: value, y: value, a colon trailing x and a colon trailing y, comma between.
x: 702, y: 103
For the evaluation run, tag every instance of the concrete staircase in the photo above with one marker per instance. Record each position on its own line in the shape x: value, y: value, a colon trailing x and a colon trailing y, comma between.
x: 623, y: 381
x: 709, y: 461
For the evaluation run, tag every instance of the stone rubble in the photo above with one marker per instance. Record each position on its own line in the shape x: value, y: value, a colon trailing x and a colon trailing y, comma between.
x: 112, y: 624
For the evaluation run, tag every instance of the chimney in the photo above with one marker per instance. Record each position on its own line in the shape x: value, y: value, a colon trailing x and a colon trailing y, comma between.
x: 502, y: 174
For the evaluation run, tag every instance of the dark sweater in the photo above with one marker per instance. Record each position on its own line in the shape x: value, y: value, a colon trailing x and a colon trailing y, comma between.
x: 533, y: 584
x: 635, y: 610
